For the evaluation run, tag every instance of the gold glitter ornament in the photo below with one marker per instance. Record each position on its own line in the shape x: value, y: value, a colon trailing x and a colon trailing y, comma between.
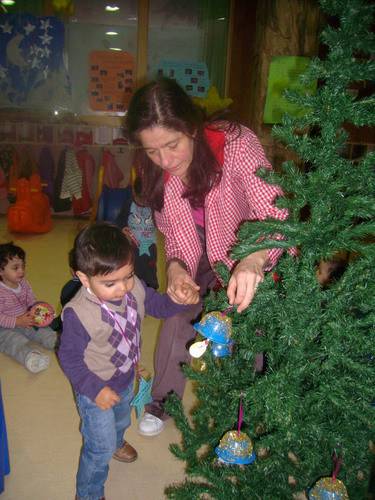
x: 216, y: 327
x: 326, y: 489
x: 235, y: 447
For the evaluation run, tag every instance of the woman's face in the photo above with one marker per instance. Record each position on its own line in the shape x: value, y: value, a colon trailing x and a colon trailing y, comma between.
x: 169, y: 149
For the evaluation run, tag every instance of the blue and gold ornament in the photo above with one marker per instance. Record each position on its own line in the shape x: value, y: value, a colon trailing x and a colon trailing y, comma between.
x: 215, y: 327
x: 328, y: 488
x: 235, y: 447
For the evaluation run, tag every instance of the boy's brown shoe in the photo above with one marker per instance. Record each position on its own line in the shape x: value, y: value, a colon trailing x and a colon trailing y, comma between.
x: 126, y: 453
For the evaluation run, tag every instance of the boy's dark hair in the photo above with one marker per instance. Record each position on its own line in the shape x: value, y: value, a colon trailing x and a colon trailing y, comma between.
x: 101, y: 249
x: 8, y: 251
x: 72, y: 263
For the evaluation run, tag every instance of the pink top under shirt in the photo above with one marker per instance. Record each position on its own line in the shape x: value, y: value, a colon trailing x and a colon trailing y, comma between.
x: 14, y: 303
x: 198, y: 215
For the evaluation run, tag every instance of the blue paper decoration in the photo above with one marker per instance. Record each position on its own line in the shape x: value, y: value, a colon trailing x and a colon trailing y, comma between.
x: 219, y: 350
x: 143, y: 396
x: 32, y: 71
x: 327, y: 489
x: 235, y: 448
x: 216, y: 327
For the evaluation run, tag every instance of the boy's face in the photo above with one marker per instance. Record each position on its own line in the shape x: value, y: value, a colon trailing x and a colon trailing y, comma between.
x: 13, y: 272
x: 112, y: 286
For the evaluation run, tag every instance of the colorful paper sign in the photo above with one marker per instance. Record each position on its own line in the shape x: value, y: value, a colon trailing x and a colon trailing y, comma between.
x: 284, y: 74
x: 112, y: 75
x: 192, y: 76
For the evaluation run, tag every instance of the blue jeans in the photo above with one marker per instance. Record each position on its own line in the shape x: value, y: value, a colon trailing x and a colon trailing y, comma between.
x: 103, y: 434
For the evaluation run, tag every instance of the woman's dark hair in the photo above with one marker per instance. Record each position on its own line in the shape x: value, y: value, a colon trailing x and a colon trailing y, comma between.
x: 163, y: 103
x: 8, y: 252
x: 101, y: 249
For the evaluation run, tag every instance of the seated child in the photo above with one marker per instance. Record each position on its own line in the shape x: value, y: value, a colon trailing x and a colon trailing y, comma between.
x: 100, y: 347
x: 137, y: 222
x: 16, y: 323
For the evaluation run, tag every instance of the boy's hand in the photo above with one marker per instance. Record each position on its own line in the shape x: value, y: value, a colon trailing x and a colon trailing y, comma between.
x: 191, y: 294
x: 107, y: 398
x: 25, y: 320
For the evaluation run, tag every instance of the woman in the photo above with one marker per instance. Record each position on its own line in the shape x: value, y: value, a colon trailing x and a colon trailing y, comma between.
x: 200, y: 180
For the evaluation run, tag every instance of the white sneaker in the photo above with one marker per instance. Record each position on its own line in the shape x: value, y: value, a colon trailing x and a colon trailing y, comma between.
x: 150, y: 425
x: 36, y: 361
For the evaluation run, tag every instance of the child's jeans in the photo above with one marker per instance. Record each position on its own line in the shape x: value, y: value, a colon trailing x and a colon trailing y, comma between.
x: 15, y: 342
x: 103, y: 434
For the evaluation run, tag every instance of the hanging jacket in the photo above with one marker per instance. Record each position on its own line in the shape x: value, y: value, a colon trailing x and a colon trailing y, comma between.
x: 60, y: 205
x: 28, y: 164
x: 112, y: 173
x: 87, y: 166
x: 9, y: 162
x: 72, y: 180
x: 3, y: 183
x: 47, y: 172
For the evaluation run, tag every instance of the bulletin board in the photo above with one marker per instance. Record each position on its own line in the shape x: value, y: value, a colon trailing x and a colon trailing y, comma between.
x: 192, y: 76
x: 111, y: 77
x: 32, y: 70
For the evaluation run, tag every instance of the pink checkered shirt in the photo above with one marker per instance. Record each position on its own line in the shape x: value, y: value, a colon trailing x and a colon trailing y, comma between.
x: 240, y: 196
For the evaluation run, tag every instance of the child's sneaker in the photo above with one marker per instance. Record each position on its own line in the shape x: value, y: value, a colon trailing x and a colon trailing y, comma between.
x: 36, y: 361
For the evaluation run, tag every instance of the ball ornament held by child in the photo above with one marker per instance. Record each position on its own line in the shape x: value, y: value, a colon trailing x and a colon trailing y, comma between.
x: 327, y: 489
x: 42, y: 313
x: 235, y: 447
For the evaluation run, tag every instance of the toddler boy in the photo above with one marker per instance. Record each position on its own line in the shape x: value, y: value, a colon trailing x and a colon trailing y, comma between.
x: 101, y: 347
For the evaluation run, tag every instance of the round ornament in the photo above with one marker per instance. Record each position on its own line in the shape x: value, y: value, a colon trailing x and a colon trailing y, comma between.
x: 219, y: 350
x: 216, y: 327
x: 43, y: 314
x: 327, y: 489
x: 235, y: 447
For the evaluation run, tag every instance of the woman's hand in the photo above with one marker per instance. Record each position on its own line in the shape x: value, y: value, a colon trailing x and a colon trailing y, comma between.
x: 177, y: 280
x: 245, y: 279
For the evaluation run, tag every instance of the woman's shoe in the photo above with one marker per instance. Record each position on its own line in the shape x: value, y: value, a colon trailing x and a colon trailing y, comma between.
x: 150, y: 425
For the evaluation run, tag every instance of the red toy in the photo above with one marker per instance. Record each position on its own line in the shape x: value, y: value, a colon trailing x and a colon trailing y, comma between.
x: 31, y: 212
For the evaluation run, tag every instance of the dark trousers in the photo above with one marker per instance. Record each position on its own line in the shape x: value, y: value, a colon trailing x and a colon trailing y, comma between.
x: 171, y: 350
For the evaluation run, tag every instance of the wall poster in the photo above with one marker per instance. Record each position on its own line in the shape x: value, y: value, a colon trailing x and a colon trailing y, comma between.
x: 111, y: 75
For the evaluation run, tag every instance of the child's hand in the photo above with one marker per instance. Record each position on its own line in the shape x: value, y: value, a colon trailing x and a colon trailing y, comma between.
x: 107, y: 398
x: 25, y: 320
x: 191, y: 294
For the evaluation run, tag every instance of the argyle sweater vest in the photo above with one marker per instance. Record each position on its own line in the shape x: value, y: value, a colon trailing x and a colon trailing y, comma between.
x: 115, y: 343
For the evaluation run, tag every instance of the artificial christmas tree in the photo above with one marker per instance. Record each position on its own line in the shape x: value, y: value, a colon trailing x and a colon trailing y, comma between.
x: 309, y: 414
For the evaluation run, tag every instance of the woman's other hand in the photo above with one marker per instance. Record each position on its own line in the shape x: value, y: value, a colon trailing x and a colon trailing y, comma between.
x: 245, y: 279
